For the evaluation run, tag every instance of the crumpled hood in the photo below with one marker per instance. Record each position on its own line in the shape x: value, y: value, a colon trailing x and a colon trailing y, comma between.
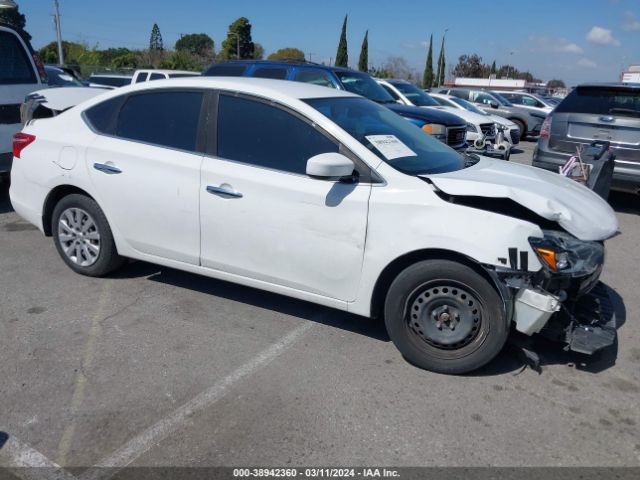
x: 62, y: 98
x: 574, y: 207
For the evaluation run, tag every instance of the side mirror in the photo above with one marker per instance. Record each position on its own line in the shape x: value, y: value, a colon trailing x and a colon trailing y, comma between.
x: 494, y: 104
x: 329, y: 165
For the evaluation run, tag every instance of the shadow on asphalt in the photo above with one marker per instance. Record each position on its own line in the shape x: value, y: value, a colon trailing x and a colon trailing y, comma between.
x: 258, y: 298
x: 625, y: 202
x: 509, y: 361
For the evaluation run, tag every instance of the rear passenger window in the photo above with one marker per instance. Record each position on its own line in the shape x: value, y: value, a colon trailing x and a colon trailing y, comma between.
x: 142, y: 77
x: 15, y: 65
x: 316, y: 77
x: 168, y: 119
x: 266, y: 136
x: 156, y: 76
x: 266, y: 72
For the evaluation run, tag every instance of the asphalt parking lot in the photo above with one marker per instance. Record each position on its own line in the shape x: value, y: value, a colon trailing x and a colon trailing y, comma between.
x: 155, y: 367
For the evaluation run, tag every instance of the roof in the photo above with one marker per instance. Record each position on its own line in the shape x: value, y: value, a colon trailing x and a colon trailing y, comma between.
x: 168, y: 72
x: 489, y: 83
x: 275, y: 89
x: 110, y: 75
x: 633, y: 86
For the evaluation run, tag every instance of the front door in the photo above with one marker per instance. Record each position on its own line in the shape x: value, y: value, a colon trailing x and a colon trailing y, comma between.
x: 263, y: 218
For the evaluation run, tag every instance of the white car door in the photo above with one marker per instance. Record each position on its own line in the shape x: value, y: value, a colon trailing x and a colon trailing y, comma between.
x: 263, y: 218
x: 146, y: 170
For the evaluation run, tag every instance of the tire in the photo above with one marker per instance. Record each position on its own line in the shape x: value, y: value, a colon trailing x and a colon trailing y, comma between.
x: 521, y: 126
x: 91, y: 252
x: 430, y: 297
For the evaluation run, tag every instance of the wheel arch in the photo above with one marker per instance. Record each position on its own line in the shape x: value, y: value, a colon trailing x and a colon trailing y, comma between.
x: 54, y: 196
x: 393, y: 269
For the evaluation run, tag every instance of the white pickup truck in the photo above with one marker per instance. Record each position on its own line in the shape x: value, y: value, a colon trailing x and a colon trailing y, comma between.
x: 149, y: 75
x: 21, y: 72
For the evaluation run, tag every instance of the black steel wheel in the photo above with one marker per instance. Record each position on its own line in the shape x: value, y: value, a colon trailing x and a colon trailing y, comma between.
x: 445, y: 317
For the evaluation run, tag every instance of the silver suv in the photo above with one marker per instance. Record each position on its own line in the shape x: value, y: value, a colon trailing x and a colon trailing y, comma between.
x: 595, y: 112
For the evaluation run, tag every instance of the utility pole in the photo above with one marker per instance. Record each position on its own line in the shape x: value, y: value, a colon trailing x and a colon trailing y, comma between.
x: 56, y: 20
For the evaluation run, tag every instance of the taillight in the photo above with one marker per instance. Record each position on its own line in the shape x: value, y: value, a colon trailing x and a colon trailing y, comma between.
x: 40, y: 66
x: 20, y: 142
x: 545, y: 130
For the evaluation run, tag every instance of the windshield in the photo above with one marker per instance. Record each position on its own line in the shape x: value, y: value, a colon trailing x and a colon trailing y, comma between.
x: 469, y: 106
x: 364, y: 85
x: 416, y: 96
x: 502, y: 100
x: 393, y: 139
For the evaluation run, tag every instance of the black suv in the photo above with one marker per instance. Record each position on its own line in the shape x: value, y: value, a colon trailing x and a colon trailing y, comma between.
x: 595, y: 112
x: 447, y: 127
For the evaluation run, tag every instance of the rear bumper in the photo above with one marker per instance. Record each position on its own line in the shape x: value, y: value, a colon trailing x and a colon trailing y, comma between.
x: 626, y: 176
x: 6, y: 159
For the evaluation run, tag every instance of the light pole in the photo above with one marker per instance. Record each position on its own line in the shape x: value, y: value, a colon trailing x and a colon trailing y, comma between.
x: 56, y: 20
x: 7, y: 4
x: 237, y: 44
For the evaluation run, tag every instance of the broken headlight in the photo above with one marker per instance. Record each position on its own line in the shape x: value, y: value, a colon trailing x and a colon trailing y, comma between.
x: 561, y: 253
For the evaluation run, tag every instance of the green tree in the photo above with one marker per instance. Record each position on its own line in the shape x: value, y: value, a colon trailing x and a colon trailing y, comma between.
x: 342, y: 56
x: 363, y: 61
x: 155, y: 42
x: 15, y: 19
x: 198, y: 44
x: 258, y: 51
x: 555, y: 83
x: 74, y: 53
x: 127, y: 60
x: 441, y: 65
x: 110, y: 54
x: 287, y: 54
x: 427, y: 77
x: 493, y: 68
x: 181, y: 60
x: 239, y: 34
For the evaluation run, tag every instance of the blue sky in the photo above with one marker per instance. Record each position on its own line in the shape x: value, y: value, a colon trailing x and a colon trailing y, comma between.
x: 576, y: 40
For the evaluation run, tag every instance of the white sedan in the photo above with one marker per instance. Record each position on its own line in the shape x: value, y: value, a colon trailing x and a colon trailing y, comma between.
x: 320, y: 195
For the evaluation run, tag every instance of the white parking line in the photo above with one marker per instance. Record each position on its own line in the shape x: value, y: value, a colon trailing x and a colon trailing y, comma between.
x: 141, y: 443
x: 29, y: 464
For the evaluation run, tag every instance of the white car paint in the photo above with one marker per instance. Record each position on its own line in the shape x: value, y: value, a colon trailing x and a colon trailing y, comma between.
x: 144, y: 75
x: 14, y: 93
x: 323, y: 241
x: 62, y: 98
x: 505, y: 122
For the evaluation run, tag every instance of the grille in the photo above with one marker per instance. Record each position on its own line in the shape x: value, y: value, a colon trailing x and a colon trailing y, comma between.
x: 10, y: 114
x: 456, y: 136
x: 488, y: 129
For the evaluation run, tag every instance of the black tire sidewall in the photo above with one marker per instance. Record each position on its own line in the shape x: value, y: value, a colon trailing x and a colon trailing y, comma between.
x: 490, y: 339
x: 108, y: 258
x: 522, y: 127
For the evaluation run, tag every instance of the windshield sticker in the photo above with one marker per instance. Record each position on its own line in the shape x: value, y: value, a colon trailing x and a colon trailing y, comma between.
x: 390, y: 146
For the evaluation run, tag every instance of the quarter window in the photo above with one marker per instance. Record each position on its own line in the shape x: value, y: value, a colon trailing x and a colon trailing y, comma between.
x: 142, y: 77
x: 157, y: 76
x: 267, y: 136
x: 169, y: 119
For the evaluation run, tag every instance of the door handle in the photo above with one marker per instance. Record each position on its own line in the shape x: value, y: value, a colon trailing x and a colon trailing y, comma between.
x: 223, y: 191
x: 109, y: 169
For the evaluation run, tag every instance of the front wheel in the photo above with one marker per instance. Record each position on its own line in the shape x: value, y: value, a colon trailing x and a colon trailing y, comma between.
x: 445, y: 317
x: 521, y: 126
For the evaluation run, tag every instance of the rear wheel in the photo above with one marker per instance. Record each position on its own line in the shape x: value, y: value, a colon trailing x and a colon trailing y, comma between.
x: 83, y: 238
x: 445, y: 317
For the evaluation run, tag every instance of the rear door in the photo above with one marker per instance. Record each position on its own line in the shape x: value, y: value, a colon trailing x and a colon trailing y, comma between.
x: 145, y: 168
x: 18, y: 78
x: 599, y: 113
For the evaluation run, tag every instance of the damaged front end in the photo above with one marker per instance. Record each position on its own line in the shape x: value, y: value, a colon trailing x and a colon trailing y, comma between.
x: 564, y: 301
